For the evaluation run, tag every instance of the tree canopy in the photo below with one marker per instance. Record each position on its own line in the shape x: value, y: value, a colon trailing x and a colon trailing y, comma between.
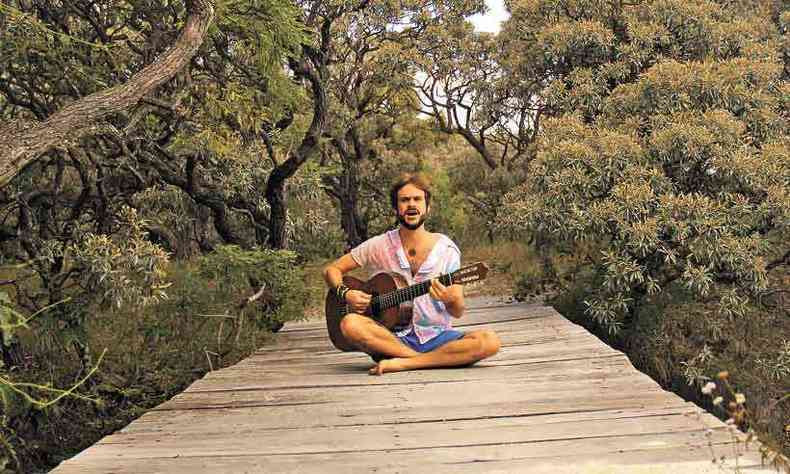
x: 666, y: 147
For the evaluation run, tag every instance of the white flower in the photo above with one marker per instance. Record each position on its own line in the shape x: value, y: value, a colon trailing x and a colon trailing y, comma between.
x: 740, y: 398
x: 717, y: 401
x: 709, y: 388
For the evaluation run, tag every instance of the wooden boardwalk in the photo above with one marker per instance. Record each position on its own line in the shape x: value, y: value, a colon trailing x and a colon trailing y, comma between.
x: 555, y: 399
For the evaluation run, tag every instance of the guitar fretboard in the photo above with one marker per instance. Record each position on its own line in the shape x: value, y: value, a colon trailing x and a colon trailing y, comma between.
x: 402, y: 295
x: 379, y: 303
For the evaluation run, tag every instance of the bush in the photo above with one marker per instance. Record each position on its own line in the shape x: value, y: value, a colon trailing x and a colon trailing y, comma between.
x: 153, y: 353
x: 232, y: 271
x: 663, y: 164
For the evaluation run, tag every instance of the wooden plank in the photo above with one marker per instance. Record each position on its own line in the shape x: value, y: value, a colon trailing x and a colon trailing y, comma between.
x: 506, y: 331
x: 544, y: 330
x: 441, y: 394
x: 525, y: 352
x: 553, y: 326
x: 219, y: 424
x: 322, y: 346
x: 251, y: 439
x: 355, y: 373
x: 576, y: 372
x: 680, y: 460
x: 300, y: 405
x: 549, y: 452
x: 345, y: 414
x: 474, y: 311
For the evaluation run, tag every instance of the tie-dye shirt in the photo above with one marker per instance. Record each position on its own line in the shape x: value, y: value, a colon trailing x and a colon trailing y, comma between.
x: 384, y: 253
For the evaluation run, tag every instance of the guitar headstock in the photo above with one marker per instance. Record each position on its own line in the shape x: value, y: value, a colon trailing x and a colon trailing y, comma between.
x: 470, y: 273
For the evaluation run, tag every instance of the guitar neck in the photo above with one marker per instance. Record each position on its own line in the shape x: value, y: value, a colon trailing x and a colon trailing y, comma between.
x: 394, y: 298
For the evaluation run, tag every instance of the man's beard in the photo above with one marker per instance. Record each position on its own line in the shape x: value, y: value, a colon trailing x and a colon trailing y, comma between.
x: 406, y: 224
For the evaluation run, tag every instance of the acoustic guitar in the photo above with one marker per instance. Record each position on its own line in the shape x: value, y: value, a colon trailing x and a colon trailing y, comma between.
x: 390, y: 297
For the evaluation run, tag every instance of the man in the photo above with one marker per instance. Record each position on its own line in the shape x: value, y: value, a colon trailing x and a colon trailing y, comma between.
x: 417, y: 255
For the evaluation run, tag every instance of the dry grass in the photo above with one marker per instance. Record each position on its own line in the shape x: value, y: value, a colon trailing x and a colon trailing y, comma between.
x: 508, y: 262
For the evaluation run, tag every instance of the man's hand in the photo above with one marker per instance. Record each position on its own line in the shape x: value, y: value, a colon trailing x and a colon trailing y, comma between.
x: 452, y: 296
x: 441, y: 292
x: 358, y: 301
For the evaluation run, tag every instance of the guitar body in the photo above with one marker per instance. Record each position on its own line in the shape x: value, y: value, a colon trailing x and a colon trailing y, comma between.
x: 379, y: 284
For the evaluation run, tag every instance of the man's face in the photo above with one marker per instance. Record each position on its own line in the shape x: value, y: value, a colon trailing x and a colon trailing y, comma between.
x: 412, y: 208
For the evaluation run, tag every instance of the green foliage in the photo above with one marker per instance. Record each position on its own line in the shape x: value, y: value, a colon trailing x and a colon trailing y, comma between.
x: 682, y: 172
x: 660, y: 175
x: 479, y: 193
x: 314, y: 234
x: 235, y: 271
x: 123, y: 269
x: 679, y: 340
x: 777, y: 367
x: 663, y: 165
x: 10, y: 320
x: 155, y: 351
x: 263, y: 30
x: 19, y: 398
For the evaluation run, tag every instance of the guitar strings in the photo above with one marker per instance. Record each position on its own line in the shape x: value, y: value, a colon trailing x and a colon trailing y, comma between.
x: 401, y: 295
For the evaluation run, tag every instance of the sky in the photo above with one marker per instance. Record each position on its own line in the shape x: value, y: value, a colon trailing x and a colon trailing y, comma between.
x: 490, y: 21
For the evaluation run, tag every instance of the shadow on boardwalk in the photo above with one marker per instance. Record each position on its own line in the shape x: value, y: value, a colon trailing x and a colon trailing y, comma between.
x: 555, y: 399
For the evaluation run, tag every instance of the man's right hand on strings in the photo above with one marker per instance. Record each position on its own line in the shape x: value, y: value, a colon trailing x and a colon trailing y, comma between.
x: 358, y: 301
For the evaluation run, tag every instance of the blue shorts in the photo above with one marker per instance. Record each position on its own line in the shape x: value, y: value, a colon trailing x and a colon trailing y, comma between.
x: 443, y: 338
x: 411, y: 340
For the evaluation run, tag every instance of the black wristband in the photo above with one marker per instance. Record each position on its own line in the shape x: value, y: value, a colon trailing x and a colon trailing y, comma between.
x: 341, y: 291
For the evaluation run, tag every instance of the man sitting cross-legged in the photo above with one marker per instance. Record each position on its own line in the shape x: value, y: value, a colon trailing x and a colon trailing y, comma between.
x: 416, y: 255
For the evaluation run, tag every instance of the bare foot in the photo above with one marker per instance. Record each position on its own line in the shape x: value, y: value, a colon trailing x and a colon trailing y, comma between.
x: 387, y: 365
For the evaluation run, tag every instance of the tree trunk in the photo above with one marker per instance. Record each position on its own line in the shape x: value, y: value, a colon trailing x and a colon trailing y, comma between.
x: 275, y: 186
x: 164, y: 237
x: 202, y: 229
x: 355, y: 229
x: 278, y: 214
x: 479, y: 146
x: 11, y: 354
x: 349, y: 218
x: 24, y: 141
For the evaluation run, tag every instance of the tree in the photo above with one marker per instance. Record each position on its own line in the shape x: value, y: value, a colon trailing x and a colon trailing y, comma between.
x: 25, y: 140
x: 466, y: 90
x: 668, y: 149
x: 370, y: 91
x: 55, y: 124
x: 469, y: 86
x: 662, y: 181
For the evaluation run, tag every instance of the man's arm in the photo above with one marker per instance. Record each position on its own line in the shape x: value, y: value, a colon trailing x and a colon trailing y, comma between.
x: 452, y: 296
x: 333, y: 273
x: 456, y: 305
